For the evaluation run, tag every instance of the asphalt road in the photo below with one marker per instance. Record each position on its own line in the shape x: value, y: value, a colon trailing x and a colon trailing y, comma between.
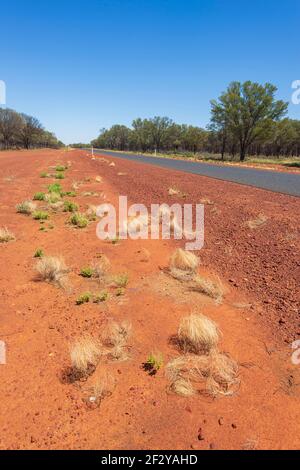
x: 286, y: 183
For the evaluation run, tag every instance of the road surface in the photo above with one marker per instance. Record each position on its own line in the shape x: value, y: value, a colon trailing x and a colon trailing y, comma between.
x: 286, y: 183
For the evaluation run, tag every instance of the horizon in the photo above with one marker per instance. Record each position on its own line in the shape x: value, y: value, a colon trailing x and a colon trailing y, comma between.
x: 163, y: 58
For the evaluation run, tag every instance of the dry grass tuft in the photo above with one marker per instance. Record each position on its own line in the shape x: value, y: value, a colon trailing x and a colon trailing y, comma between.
x: 52, y: 269
x: 101, y: 267
x: 101, y: 388
x: 198, y: 334
x: 26, y: 207
x: 114, y: 337
x: 207, y: 287
x: 91, y: 212
x: 98, y: 179
x: 184, y: 261
x: 258, y: 222
x: 85, y: 354
x: 217, y: 372
x: 6, y: 236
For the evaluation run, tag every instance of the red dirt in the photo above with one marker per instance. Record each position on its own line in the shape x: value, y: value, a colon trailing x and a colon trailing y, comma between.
x: 258, y: 267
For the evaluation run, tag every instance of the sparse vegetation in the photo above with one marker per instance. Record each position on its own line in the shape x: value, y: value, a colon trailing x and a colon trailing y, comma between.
x: 114, y: 337
x: 121, y: 280
x: 6, y: 235
x: 79, y: 220
x: 120, y: 292
x: 70, y: 206
x: 40, y: 215
x: 102, y: 388
x: 52, y: 198
x: 60, y: 168
x: 101, y: 267
x: 207, y: 287
x: 102, y: 297
x: 55, y: 188
x: 59, y: 176
x: 87, y: 272
x: 84, y: 298
x: 154, y: 363
x: 258, y: 222
x: 44, y: 174
x: 184, y: 261
x: 26, y: 207
x: 198, y: 334
x: 39, y: 253
x: 91, y: 213
x: 52, y: 269
x: 39, y: 197
x: 85, y: 354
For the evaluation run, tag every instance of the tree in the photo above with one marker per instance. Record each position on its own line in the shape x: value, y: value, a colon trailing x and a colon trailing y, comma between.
x: 30, y: 130
x: 10, y: 127
x: 246, y: 109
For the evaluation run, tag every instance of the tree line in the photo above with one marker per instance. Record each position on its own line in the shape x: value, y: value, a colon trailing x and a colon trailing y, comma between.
x: 245, y: 120
x: 18, y: 130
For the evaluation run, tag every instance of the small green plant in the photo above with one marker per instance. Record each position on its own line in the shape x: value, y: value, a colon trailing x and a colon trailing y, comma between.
x: 59, y: 176
x: 39, y: 253
x: 40, y: 215
x: 70, y: 206
x: 61, y: 168
x: 6, y: 236
x: 120, y: 292
x: 44, y: 174
x: 102, y: 297
x: 121, y: 280
x: 154, y: 363
x: 39, y: 197
x: 84, y: 298
x: 79, y: 220
x: 87, y: 272
x: 42, y: 229
x: 55, y: 188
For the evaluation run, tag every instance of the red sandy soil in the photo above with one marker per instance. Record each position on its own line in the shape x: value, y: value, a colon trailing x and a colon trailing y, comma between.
x: 259, y: 316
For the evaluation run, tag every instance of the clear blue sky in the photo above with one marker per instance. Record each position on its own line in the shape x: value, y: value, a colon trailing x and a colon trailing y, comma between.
x: 82, y: 65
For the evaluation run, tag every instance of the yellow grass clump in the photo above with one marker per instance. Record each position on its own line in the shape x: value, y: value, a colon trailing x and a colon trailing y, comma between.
x: 114, y: 337
x: 52, y: 269
x: 6, y: 235
x: 207, y: 287
x: 101, y: 267
x: 85, y: 353
x: 26, y: 207
x: 198, y: 334
x: 216, y: 373
x: 184, y: 261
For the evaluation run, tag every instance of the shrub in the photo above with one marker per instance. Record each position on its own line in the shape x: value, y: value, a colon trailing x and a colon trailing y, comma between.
x: 70, y: 206
x: 91, y: 213
x: 114, y: 337
x: 52, y: 269
x: 79, y: 220
x: 87, y: 272
x: 55, y: 188
x: 61, y: 168
x: 68, y: 193
x: 39, y: 197
x: 26, y: 207
x: 6, y: 236
x: 39, y: 253
x: 101, y: 267
x: 40, y: 215
x: 121, y: 280
x: 53, y: 198
x: 102, y: 297
x: 198, y: 334
x: 207, y: 287
x: 84, y: 298
x: 59, y: 176
x: 44, y: 174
